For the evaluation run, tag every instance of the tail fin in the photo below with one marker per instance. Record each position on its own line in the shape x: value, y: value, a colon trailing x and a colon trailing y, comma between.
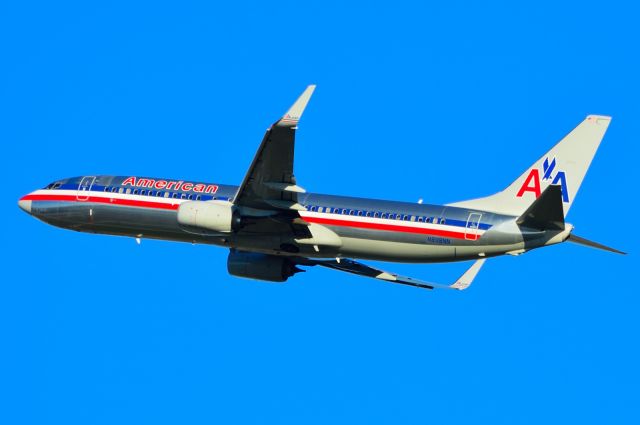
x: 564, y: 165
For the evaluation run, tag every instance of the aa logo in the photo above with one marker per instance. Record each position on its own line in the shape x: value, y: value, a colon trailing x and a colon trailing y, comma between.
x: 533, y: 182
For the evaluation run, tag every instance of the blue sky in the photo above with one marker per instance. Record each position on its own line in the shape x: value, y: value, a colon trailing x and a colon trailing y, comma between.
x: 443, y: 102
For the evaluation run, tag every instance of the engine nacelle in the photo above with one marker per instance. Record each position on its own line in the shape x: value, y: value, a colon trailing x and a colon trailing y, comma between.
x: 253, y: 265
x: 219, y: 216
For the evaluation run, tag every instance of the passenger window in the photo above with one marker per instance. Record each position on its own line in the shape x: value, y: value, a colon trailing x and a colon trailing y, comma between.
x: 197, y: 197
x: 369, y: 214
x: 409, y: 218
x: 442, y: 220
x: 376, y: 214
x: 420, y: 219
x: 143, y: 192
x: 345, y: 212
x: 352, y: 212
x: 359, y: 213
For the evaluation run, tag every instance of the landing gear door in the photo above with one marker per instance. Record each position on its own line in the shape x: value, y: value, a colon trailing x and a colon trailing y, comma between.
x: 473, y: 225
x: 84, y: 188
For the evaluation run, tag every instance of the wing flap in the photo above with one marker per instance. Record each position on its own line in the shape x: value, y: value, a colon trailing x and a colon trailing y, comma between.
x: 354, y: 267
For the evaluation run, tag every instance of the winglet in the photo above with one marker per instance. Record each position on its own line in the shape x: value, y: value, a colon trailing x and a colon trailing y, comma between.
x: 291, y: 118
x: 467, y: 278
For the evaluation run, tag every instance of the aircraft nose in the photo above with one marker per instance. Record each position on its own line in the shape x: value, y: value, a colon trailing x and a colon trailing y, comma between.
x: 25, y: 205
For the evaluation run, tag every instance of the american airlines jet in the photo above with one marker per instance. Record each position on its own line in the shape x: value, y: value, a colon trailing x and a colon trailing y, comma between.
x: 272, y: 226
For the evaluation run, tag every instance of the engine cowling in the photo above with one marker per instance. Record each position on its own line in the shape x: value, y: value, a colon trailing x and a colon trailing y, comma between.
x: 253, y: 265
x: 219, y: 216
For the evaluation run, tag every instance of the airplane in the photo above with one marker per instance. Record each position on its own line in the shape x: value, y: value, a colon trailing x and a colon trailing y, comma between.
x: 273, y: 227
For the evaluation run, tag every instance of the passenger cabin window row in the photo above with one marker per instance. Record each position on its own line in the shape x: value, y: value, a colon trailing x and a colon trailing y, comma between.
x: 376, y: 214
x: 158, y: 193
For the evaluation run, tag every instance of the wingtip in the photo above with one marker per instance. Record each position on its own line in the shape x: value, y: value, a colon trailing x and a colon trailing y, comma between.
x: 467, y: 277
x: 599, y: 118
x: 291, y: 118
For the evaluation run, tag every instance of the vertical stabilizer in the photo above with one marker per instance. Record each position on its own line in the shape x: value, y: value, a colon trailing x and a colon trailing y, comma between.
x: 564, y: 165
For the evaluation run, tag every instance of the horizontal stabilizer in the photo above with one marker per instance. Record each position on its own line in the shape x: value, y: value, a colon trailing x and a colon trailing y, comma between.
x: 545, y: 213
x: 582, y: 241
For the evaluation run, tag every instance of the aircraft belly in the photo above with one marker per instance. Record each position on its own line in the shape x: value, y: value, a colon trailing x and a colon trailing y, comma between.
x: 396, y: 251
x: 473, y: 252
x: 122, y: 221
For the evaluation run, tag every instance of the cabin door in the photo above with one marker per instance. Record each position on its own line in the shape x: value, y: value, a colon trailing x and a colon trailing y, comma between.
x: 473, y: 224
x: 84, y: 187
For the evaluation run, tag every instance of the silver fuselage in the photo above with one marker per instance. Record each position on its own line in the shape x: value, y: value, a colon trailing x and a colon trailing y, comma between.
x: 367, y: 228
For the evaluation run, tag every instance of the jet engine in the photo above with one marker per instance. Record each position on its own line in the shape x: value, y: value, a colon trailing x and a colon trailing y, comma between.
x: 219, y: 216
x: 253, y: 265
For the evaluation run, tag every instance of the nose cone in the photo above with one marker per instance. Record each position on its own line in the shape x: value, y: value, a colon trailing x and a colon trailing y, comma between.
x: 25, y: 205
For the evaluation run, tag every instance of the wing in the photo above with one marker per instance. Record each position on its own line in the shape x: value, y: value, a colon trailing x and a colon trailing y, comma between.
x: 355, y: 267
x: 270, y: 183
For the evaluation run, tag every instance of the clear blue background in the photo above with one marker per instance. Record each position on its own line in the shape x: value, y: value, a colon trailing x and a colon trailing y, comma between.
x: 444, y: 101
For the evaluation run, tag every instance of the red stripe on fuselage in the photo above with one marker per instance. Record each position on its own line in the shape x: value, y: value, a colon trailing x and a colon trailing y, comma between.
x: 102, y: 200
x: 387, y: 227
x: 317, y: 220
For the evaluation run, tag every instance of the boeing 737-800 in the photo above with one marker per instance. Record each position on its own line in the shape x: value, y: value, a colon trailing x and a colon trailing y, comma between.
x: 272, y: 226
